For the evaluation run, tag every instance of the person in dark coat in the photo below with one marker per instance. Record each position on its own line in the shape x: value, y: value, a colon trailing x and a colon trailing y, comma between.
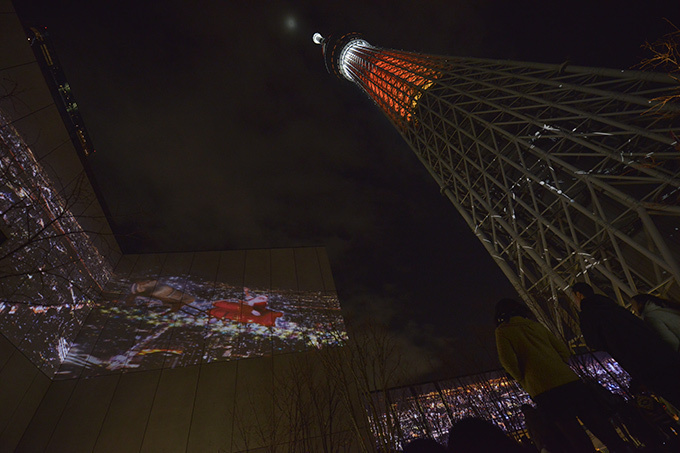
x: 546, y: 436
x: 424, y: 445
x: 606, y: 326
x: 476, y: 435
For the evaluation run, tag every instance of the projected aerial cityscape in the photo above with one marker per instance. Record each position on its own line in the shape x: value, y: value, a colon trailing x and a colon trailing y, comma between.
x: 49, y: 269
x: 70, y: 313
x: 174, y: 321
x: 169, y: 322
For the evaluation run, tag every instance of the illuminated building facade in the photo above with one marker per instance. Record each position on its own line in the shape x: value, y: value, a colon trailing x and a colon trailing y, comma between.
x: 104, y: 351
x: 564, y: 173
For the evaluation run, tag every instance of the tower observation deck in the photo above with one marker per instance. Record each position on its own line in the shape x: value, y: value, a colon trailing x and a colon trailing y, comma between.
x: 564, y: 173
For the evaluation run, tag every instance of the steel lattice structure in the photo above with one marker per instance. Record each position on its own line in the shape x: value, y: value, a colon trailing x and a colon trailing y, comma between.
x: 564, y: 173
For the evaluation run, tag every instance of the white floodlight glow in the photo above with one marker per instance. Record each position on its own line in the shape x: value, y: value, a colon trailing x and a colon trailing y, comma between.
x: 346, y: 56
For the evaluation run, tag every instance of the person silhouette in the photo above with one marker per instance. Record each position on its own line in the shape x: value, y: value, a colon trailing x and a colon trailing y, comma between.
x: 537, y: 359
x: 607, y: 326
x: 661, y: 315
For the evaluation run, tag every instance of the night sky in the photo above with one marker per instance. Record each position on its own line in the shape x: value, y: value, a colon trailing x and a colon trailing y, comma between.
x: 217, y: 127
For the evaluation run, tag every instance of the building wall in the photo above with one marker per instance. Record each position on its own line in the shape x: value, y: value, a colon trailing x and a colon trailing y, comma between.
x: 218, y: 407
x: 23, y: 387
x: 55, y: 229
x: 169, y: 310
x: 26, y: 100
x: 222, y: 406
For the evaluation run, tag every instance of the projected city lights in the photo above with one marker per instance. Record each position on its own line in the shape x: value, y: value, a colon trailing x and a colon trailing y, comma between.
x: 50, y: 272
x: 150, y: 322
x: 65, y: 307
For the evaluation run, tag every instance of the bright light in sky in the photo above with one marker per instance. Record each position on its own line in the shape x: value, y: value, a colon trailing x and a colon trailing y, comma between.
x: 291, y: 23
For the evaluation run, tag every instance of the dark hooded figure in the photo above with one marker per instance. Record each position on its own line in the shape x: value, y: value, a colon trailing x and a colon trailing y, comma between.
x: 476, y: 435
x: 424, y: 445
x: 606, y: 326
x: 543, y: 434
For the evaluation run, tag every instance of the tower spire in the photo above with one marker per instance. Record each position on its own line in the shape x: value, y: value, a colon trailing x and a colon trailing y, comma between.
x: 318, y: 38
x: 560, y: 171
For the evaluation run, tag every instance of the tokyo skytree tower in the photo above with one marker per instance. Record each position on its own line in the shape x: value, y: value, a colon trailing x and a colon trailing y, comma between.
x: 564, y: 173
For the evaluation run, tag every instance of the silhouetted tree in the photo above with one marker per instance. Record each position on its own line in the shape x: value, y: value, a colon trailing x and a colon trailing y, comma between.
x: 665, y: 56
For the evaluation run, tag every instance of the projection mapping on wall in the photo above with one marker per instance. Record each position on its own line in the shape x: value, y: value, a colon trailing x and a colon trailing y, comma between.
x: 64, y: 307
x: 49, y: 269
x: 149, y: 322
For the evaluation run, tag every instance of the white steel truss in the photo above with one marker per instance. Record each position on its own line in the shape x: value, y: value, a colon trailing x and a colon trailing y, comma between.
x: 564, y: 173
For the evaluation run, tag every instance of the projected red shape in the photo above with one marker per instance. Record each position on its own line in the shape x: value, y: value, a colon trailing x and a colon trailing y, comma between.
x: 242, y: 312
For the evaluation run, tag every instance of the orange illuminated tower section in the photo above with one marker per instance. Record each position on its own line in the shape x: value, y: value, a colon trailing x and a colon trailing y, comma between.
x: 561, y: 171
x: 394, y: 80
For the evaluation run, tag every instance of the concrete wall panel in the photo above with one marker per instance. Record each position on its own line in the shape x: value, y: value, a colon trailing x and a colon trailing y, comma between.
x: 125, y: 265
x: 22, y: 89
x: 325, y: 267
x: 232, y: 267
x: 11, y: 54
x: 23, y: 413
x: 39, y: 431
x: 254, y: 408
x: 81, y: 420
x: 222, y: 406
x: 6, y: 350
x: 205, y: 266
x: 128, y: 414
x: 213, y: 415
x: 309, y: 273
x: 283, y: 273
x: 170, y: 419
x: 16, y: 378
x: 258, y: 269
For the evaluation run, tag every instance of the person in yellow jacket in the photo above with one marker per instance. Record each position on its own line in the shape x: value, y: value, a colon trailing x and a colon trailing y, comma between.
x: 537, y: 359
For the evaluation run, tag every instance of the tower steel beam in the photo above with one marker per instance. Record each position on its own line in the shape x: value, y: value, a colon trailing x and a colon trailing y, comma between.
x: 564, y: 173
